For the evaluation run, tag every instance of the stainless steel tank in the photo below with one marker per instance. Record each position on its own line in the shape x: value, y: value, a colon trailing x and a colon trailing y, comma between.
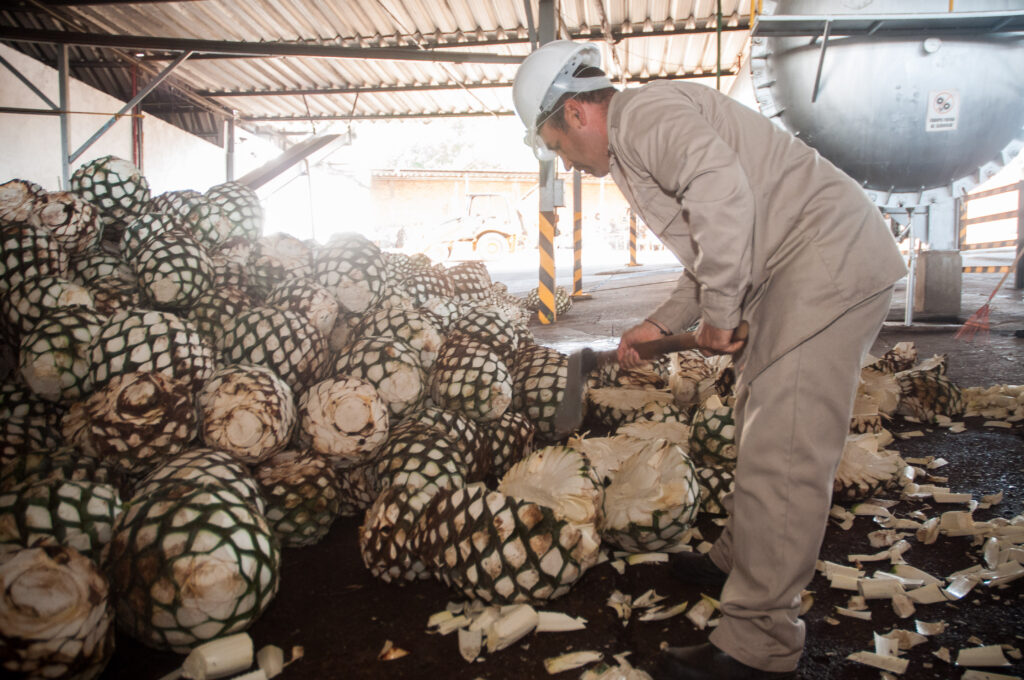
x: 917, y: 118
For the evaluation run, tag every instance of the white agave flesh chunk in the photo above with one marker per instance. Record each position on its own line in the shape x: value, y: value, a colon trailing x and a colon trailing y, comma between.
x: 470, y: 643
x: 558, y: 622
x: 437, y: 618
x: 567, y: 662
x: 930, y: 627
x: 988, y: 655
x: 648, y: 599
x: 606, y: 454
x: 701, y: 612
x: 511, y: 627
x: 903, y: 606
x: 622, y: 604
x: 559, y: 478
x: 676, y: 433
x: 882, y: 388
x: 258, y: 674
x: 831, y: 569
x: 892, y: 664
x: 853, y: 613
x: 483, y: 620
x: 886, y: 646
x: 219, y: 658
x: 929, y: 594
x: 270, y: 660
x: 656, y: 478
x: 905, y: 639
x: 646, y: 558
x: 660, y: 614
x: 623, y: 671
x: 972, y: 674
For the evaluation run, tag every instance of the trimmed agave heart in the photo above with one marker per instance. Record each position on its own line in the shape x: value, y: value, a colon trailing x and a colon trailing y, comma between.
x: 136, y: 421
x: 247, y: 411
x: 344, y: 420
x: 191, y: 563
x: 301, y: 491
x: 652, y: 500
x: 55, y: 615
x: 77, y: 514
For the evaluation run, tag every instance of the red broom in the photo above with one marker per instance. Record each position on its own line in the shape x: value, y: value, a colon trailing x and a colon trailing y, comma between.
x: 978, y: 322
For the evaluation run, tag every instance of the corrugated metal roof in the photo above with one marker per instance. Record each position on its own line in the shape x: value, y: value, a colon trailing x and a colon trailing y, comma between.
x: 640, y: 40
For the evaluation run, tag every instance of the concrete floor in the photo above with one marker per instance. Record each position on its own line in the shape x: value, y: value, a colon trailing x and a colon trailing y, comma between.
x: 622, y: 297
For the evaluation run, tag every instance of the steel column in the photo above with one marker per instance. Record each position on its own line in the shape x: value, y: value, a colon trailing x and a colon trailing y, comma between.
x: 65, y: 123
x: 229, y: 170
x: 547, y: 183
x: 136, y: 122
x: 908, y: 310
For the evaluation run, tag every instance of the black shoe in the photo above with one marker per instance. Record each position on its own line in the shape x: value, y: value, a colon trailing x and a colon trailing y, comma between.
x: 695, y: 568
x: 707, y: 662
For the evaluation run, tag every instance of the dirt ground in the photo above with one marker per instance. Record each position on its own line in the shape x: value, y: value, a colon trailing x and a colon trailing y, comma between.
x: 329, y: 603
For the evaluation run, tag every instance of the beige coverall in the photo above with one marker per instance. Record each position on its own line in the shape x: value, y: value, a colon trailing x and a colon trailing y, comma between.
x: 770, y: 232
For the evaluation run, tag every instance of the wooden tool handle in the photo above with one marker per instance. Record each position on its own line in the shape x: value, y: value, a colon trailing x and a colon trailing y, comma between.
x: 680, y: 342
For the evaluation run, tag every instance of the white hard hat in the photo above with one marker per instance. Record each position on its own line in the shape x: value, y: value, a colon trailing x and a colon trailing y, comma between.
x: 544, y: 76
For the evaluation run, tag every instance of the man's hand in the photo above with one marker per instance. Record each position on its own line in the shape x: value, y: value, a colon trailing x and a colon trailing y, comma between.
x: 712, y: 340
x: 642, y: 332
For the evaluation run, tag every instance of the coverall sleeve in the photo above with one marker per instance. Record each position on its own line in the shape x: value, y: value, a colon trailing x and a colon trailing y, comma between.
x: 670, y: 141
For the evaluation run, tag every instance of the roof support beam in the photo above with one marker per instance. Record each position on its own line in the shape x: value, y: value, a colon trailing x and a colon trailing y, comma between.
x: 277, y: 49
x: 352, y: 90
x: 589, y: 33
x: 372, y: 89
x: 373, y: 116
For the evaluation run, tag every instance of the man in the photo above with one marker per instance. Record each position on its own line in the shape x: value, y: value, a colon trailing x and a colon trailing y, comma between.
x: 770, y: 233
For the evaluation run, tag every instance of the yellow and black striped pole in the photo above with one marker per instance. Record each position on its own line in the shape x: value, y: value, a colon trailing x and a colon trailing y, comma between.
x: 986, y: 269
x: 546, y: 273
x: 549, y: 191
x: 577, y: 233
x: 632, y: 239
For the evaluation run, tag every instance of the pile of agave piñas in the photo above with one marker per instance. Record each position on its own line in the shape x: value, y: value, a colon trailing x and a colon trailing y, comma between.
x: 184, y: 396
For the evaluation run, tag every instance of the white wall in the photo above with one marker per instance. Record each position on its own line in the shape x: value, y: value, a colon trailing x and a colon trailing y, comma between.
x: 30, y: 144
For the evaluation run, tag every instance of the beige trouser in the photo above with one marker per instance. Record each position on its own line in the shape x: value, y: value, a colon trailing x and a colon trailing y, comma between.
x: 791, y: 424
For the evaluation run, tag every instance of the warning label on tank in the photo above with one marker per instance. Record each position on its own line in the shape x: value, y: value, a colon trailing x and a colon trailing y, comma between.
x: 943, y: 110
